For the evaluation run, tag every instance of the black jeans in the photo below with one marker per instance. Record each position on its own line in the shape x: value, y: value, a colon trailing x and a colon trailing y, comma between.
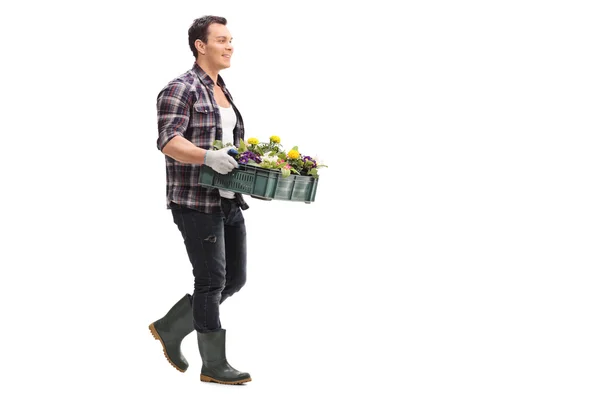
x: 216, y: 247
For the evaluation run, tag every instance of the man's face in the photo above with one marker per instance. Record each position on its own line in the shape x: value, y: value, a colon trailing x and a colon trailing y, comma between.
x: 218, y: 49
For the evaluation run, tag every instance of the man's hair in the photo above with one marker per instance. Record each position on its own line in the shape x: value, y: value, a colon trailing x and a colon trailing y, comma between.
x: 199, y: 30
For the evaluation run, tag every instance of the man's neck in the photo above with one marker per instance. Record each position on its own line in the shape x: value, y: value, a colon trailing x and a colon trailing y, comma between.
x: 212, y: 73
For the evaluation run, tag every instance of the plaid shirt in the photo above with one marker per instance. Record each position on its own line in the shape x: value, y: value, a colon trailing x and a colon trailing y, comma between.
x: 187, y: 107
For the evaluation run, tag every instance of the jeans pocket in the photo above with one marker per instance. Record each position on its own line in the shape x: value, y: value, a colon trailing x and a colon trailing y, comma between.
x: 235, y: 217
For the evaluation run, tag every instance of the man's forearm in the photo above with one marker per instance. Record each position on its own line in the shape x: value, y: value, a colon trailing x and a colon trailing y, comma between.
x: 184, y: 151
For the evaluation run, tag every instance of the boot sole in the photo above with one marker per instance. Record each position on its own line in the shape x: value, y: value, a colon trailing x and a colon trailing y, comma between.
x: 205, y: 378
x: 157, y: 337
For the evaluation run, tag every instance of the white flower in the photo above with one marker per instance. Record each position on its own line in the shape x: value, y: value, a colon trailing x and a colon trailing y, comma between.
x: 319, y: 160
x: 270, y: 158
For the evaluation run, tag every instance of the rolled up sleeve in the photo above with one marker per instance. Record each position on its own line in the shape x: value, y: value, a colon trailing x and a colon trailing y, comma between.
x: 173, y: 109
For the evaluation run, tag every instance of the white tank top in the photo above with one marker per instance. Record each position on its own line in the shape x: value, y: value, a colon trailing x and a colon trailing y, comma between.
x: 228, y: 120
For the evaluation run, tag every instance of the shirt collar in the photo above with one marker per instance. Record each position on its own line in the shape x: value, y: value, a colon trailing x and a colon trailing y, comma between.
x: 207, y: 80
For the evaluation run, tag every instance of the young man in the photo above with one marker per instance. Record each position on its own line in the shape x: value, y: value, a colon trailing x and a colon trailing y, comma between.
x: 193, y: 110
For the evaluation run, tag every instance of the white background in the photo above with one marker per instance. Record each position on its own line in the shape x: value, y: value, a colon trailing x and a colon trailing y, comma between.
x: 452, y: 250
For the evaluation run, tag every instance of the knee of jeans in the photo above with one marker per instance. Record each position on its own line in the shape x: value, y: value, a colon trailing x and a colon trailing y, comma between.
x: 237, y: 283
x: 214, y: 284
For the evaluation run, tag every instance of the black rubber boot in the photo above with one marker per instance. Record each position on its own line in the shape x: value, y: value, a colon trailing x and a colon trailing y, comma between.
x: 172, y: 329
x: 215, y: 367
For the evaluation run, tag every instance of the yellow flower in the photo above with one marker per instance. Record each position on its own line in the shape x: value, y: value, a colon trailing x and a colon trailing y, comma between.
x: 253, y: 140
x: 293, y: 154
x: 275, y: 139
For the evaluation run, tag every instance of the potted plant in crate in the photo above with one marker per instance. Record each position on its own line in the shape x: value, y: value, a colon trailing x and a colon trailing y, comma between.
x: 270, y: 171
x: 271, y: 155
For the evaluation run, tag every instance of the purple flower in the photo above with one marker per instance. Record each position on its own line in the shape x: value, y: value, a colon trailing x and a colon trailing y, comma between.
x: 247, y: 156
x: 309, y: 158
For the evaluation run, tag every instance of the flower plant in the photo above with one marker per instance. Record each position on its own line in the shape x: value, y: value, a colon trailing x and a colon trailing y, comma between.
x: 272, y: 155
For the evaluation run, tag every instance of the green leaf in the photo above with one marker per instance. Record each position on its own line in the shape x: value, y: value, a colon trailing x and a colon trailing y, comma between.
x: 217, y: 144
x: 313, y: 172
x: 285, y: 172
x: 242, y: 147
x: 295, y: 148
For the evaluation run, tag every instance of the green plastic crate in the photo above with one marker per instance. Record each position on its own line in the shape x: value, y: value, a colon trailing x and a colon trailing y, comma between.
x: 262, y: 183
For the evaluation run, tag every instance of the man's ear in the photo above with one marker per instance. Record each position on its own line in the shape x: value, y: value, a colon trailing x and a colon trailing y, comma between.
x: 200, y: 47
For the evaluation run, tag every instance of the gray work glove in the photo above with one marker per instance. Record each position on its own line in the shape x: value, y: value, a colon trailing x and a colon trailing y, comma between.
x: 220, y: 161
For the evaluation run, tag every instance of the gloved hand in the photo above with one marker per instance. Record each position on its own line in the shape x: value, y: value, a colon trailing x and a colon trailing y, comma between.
x: 220, y: 161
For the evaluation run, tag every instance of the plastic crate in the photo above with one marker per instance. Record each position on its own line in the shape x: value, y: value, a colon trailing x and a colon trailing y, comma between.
x: 262, y: 183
